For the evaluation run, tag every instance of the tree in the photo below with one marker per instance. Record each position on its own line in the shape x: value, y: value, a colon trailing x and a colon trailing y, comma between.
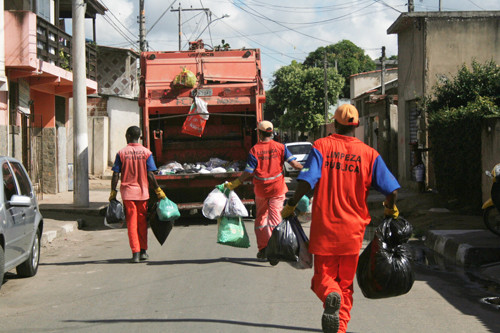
x: 456, y: 110
x: 300, y: 90
x: 350, y: 59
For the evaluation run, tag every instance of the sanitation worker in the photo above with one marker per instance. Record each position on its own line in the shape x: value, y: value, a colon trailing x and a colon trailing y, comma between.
x: 341, y: 169
x: 136, y: 165
x: 265, y: 162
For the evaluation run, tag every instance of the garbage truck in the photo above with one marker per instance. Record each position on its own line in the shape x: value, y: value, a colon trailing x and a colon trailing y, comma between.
x: 221, y: 89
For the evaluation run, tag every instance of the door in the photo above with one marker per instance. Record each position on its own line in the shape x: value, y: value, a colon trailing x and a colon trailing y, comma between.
x: 13, y: 224
x: 28, y: 212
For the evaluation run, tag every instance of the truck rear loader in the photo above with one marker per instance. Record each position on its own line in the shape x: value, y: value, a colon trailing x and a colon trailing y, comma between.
x: 230, y: 82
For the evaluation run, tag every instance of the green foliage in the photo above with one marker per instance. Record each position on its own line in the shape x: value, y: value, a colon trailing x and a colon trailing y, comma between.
x: 468, y: 85
x: 350, y: 58
x: 455, y: 123
x: 300, y: 90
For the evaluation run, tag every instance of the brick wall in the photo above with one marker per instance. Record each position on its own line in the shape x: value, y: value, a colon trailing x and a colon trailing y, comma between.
x: 97, y: 107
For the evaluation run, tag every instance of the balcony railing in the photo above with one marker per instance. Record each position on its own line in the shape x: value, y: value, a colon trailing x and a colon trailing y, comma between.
x: 54, y: 46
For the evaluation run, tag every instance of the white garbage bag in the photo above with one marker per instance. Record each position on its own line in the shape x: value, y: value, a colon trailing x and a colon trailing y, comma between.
x: 214, y: 204
x: 234, y: 206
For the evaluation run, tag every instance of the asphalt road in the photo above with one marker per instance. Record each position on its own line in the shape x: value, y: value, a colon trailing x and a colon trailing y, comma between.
x: 192, y: 284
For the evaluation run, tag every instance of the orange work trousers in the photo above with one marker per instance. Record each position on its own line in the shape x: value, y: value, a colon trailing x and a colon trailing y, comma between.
x: 336, y: 274
x: 137, y: 224
x: 268, y: 211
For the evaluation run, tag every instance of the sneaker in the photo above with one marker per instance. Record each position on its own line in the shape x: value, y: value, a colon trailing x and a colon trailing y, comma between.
x: 135, y: 257
x: 330, y: 321
x: 143, y: 255
x: 261, y: 255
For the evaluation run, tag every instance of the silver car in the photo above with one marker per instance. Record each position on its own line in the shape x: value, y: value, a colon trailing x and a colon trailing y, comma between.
x: 21, y: 223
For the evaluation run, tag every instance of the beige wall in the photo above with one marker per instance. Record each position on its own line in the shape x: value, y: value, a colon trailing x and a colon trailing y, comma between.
x: 452, y: 43
x: 430, y: 46
x: 363, y: 82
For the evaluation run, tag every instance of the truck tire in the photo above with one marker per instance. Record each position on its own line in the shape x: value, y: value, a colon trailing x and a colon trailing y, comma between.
x: 30, y: 266
x: 2, y: 265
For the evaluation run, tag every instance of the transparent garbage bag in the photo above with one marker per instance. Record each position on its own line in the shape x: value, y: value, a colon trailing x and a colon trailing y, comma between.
x: 234, y: 206
x: 214, y: 203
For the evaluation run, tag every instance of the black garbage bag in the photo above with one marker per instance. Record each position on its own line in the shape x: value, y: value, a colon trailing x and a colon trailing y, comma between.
x: 283, y: 244
x: 161, y: 229
x: 115, y: 212
x: 384, y: 267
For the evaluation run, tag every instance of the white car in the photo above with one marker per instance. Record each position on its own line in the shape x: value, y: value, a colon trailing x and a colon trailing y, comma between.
x: 21, y: 223
x: 301, y: 151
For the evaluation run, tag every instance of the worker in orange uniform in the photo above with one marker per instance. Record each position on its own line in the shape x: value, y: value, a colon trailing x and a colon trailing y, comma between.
x: 265, y: 162
x: 136, y: 165
x: 341, y: 169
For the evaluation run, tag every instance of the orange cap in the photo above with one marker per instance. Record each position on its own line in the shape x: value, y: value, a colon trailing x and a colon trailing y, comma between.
x: 347, y: 114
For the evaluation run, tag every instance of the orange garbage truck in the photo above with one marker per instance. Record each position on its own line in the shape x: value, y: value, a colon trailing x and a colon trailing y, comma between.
x: 199, y: 113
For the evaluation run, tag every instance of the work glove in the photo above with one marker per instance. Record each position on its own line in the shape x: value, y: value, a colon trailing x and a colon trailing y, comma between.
x: 160, y: 194
x: 287, y: 211
x: 112, y: 195
x: 388, y: 212
x: 232, y: 185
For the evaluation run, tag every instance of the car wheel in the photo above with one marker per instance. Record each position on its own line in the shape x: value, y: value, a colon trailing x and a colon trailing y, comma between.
x: 2, y: 266
x: 30, y: 266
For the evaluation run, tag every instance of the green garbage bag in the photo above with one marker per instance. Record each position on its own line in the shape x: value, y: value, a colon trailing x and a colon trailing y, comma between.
x: 303, y: 204
x: 231, y: 231
x: 167, y: 210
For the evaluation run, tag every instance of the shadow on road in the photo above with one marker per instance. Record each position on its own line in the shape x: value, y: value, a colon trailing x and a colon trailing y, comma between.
x: 196, y: 320
x: 240, y: 261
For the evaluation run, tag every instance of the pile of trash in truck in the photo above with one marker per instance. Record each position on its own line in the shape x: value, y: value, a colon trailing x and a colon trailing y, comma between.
x: 214, y: 165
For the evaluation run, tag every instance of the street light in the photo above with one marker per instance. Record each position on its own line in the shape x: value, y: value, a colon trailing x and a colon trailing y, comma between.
x: 220, y: 18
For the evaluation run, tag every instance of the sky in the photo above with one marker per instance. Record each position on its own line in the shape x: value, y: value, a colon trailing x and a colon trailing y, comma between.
x: 283, y: 30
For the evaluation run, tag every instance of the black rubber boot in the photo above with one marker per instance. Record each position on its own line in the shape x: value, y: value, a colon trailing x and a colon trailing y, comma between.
x: 330, y: 320
x: 144, y: 255
x: 135, y: 257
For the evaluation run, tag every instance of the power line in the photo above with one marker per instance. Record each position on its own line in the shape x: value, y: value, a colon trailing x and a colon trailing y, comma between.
x: 117, y: 19
x: 114, y: 26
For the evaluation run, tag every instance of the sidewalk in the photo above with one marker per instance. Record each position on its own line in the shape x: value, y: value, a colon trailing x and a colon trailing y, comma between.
x: 461, y: 239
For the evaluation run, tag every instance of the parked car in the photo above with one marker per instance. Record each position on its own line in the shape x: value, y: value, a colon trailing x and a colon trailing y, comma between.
x: 301, y: 151
x: 21, y: 223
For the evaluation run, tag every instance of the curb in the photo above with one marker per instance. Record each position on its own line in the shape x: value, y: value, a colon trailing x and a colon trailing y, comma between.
x: 467, y: 248
x: 52, y: 232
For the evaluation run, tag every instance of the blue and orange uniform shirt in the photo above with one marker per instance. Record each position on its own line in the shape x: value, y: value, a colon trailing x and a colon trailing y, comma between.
x: 341, y: 169
x: 134, y: 161
x: 265, y: 161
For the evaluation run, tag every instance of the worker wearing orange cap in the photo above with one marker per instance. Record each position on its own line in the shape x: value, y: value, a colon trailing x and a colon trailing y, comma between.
x: 265, y: 162
x: 341, y: 169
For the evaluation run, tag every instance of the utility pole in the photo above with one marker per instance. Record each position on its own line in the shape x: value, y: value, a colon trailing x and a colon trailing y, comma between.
x: 439, y: 5
x: 411, y: 6
x: 80, y: 134
x: 382, y: 72
x: 142, y: 27
x: 325, y: 86
x: 206, y: 10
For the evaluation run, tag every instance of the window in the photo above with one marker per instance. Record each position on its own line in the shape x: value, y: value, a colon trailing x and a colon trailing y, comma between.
x: 22, y: 179
x: 9, y: 184
x: 299, y: 149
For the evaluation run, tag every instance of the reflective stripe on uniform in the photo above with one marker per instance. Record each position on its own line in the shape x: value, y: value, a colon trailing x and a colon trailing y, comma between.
x: 270, y: 178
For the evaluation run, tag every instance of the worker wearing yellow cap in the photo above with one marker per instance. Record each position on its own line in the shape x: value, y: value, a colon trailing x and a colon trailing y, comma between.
x: 265, y: 162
